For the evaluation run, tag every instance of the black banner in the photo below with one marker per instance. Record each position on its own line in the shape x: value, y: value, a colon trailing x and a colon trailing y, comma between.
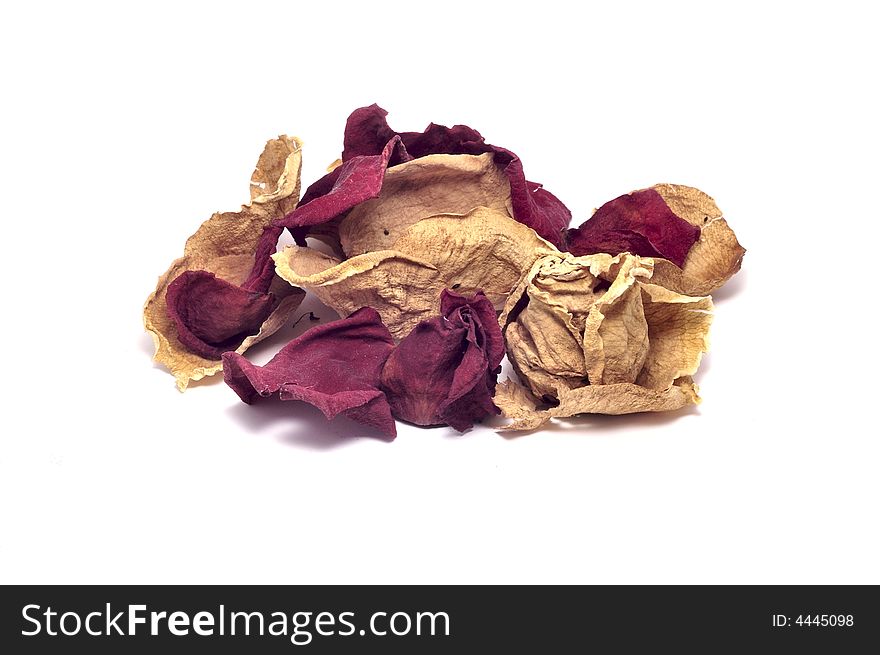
x: 114, y: 619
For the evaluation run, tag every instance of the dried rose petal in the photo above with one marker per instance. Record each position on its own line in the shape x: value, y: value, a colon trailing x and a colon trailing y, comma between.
x: 639, y: 222
x: 335, y: 367
x: 357, y: 180
x: 715, y: 257
x: 223, y: 293
x: 213, y: 316
x: 444, y: 371
x: 418, y: 189
x: 622, y: 398
x: 677, y: 223
x: 484, y: 249
x: 367, y: 135
x: 594, y: 334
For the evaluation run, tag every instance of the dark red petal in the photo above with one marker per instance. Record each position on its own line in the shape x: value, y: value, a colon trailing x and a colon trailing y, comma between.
x: 640, y: 223
x: 263, y: 271
x: 367, y: 133
x: 532, y: 204
x: 444, y: 371
x: 442, y: 140
x: 481, y: 308
x: 335, y: 367
x: 212, y: 315
x: 358, y: 179
x: 470, y: 394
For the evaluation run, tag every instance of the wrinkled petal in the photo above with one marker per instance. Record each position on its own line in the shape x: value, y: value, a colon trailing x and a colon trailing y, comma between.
x: 678, y: 335
x: 444, y: 371
x: 596, y: 334
x: 484, y: 249
x: 213, y: 316
x: 529, y: 202
x: 640, y: 223
x: 623, y: 398
x: 715, y: 257
x: 229, y: 250
x: 403, y: 289
x: 421, y: 188
x: 690, y: 265
x: 335, y: 367
x: 357, y: 180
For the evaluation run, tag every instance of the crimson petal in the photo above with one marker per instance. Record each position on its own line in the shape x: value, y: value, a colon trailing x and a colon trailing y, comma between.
x: 213, y: 316
x: 444, y: 371
x: 641, y: 223
x: 335, y: 367
x: 367, y: 134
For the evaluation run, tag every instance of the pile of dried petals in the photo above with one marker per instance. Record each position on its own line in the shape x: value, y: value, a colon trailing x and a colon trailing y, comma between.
x: 427, y: 237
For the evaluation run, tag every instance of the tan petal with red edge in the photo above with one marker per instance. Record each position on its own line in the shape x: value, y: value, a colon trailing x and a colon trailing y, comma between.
x: 421, y: 188
x: 714, y: 258
x: 225, y: 245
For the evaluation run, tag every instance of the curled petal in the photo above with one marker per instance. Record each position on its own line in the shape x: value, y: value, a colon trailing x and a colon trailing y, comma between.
x: 356, y: 181
x: 230, y: 250
x: 595, y: 334
x: 403, y: 289
x: 623, y: 398
x: 639, y: 222
x: 484, y: 249
x: 530, y: 204
x: 678, y: 335
x: 213, y: 316
x: 335, y: 367
x: 444, y: 371
x: 421, y: 188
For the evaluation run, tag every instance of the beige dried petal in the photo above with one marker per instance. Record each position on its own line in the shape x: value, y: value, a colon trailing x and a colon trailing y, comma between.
x: 714, y: 258
x: 481, y: 249
x: 623, y: 398
x: 544, y: 363
x: 615, y: 337
x: 678, y: 334
x: 420, y: 188
x: 224, y: 245
x: 403, y: 289
x: 518, y: 404
x: 547, y: 315
x: 691, y: 204
x: 569, y: 279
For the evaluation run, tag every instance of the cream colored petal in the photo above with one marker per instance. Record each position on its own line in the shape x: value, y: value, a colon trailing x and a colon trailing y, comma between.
x: 417, y: 189
x: 516, y: 403
x: 481, y: 249
x: 224, y: 245
x: 403, y: 289
x: 624, y: 399
x: 615, y: 399
x: 714, y: 258
x: 678, y: 334
x: 523, y: 354
x: 616, y: 337
x: 691, y: 204
x: 569, y: 279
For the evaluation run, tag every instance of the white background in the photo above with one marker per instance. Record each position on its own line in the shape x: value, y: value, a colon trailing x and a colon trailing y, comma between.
x: 123, y: 128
